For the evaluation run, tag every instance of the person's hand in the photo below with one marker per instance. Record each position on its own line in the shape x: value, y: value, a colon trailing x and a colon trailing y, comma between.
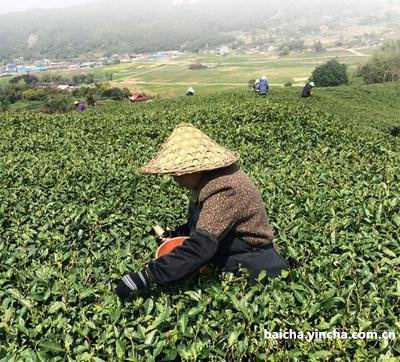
x: 123, y: 291
x: 133, y: 282
x: 167, y: 234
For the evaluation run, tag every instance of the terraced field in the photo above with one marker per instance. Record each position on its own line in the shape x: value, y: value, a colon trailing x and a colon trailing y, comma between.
x: 172, y: 77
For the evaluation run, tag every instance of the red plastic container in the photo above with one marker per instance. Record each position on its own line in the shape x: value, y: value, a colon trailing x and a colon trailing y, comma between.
x: 170, y: 244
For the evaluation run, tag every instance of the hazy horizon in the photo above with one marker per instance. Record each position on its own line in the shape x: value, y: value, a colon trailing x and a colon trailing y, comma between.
x: 24, y: 5
x: 73, y: 28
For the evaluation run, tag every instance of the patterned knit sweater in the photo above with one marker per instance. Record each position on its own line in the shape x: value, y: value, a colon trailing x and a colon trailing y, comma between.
x: 229, y: 201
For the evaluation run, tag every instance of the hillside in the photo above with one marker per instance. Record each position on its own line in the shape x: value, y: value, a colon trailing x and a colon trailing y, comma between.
x: 76, y: 214
x: 371, y: 108
x: 108, y: 27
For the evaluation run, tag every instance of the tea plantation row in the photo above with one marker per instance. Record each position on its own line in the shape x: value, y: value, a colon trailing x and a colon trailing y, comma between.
x: 75, y: 215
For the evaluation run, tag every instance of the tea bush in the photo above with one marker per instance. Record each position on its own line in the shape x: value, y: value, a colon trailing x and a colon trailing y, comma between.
x: 75, y: 215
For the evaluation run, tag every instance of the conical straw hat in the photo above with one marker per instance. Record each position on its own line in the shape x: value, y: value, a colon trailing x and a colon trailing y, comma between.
x: 189, y: 150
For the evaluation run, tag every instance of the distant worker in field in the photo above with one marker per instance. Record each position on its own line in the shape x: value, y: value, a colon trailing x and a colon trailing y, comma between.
x: 307, y: 90
x: 263, y: 87
x: 80, y: 106
x: 190, y: 91
x: 227, y: 223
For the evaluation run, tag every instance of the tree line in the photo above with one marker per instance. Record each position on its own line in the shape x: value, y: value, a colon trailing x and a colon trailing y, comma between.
x: 384, y: 65
x: 43, y: 96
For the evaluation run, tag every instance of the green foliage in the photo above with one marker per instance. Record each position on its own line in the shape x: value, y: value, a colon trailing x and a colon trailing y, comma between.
x: 4, y: 104
x: 197, y: 66
x: 12, y: 93
x: 395, y: 131
x: 83, y: 78
x: 59, y: 102
x: 330, y: 74
x: 283, y: 51
x: 26, y: 78
x: 384, y: 65
x: 116, y: 93
x: 318, y: 47
x: 76, y: 212
x: 369, y: 107
x: 54, y: 100
x: 25, y: 105
x: 54, y: 77
x: 77, y: 79
x: 294, y: 45
x: 127, y: 92
x: 35, y: 94
x: 91, y: 94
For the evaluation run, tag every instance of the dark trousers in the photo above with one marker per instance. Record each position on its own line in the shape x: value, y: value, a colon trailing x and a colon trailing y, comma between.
x: 231, y: 252
x: 234, y: 251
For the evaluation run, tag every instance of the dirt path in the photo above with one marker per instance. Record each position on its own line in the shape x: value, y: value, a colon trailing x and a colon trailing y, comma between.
x: 148, y: 71
x: 356, y: 52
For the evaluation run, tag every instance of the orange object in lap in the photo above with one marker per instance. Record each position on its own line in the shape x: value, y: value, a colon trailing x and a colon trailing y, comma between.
x: 170, y: 244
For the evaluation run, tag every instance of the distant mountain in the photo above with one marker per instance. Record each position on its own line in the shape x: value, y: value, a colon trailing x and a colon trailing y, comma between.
x: 127, y: 26
x: 15, y: 6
